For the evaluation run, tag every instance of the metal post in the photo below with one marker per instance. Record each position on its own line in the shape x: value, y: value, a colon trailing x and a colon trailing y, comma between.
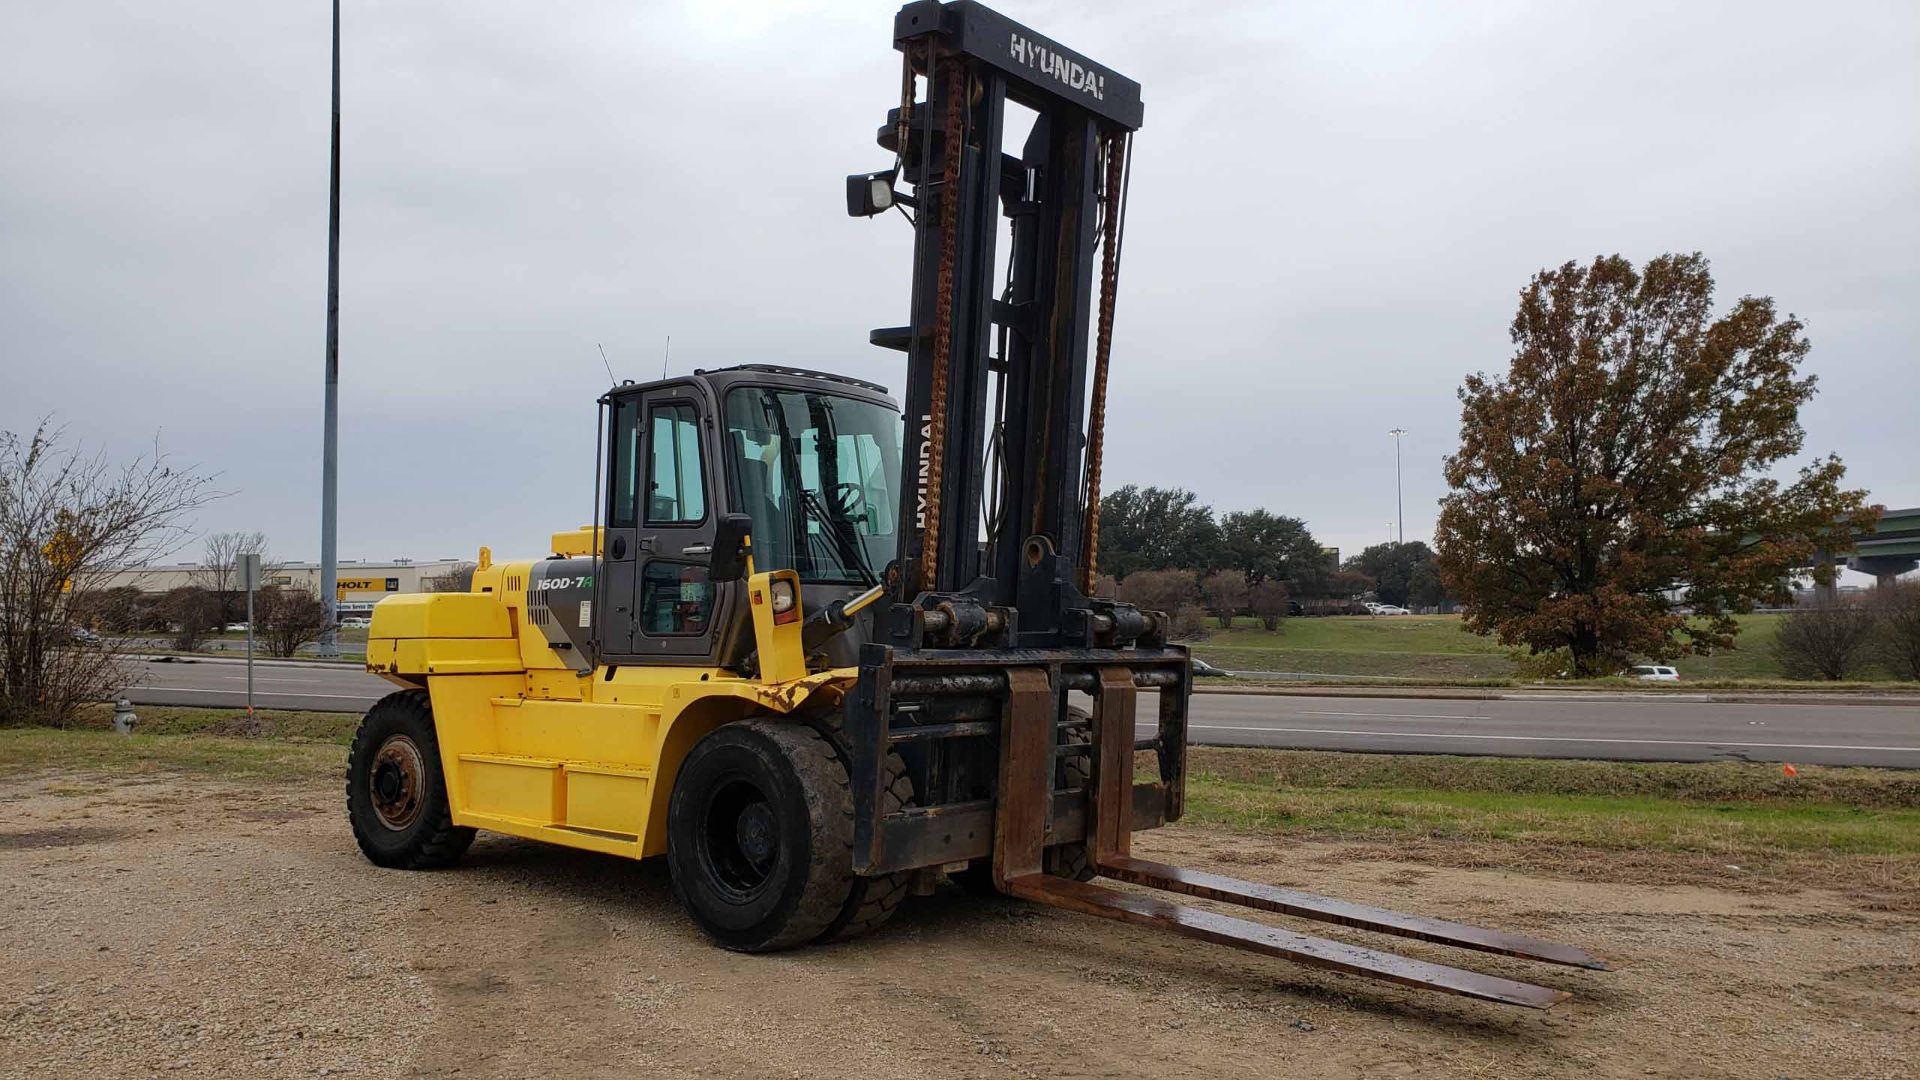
x: 249, y: 654
x: 330, y: 451
x: 248, y: 564
x: 1399, y: 509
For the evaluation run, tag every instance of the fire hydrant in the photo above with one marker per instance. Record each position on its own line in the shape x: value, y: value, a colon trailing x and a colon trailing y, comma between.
x: 123, y: 717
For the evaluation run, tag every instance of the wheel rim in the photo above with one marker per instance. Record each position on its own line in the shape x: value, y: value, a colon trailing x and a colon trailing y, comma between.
x: 398, y: 783
x: 739, y: 839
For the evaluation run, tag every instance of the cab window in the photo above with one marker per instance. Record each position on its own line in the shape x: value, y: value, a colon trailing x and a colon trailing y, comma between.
x: 676, y: 491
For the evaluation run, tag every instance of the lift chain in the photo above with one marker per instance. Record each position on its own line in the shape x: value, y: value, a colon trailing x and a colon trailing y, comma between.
x: 956, y: 84
x: 1102, y: 349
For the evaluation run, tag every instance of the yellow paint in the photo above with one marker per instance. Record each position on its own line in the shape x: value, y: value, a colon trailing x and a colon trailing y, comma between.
x: 575, y: 543
x: 532, y: 748
x: 782, y: 657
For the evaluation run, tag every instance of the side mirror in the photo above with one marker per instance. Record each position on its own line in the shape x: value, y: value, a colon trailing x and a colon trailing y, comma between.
x: 730, y: 538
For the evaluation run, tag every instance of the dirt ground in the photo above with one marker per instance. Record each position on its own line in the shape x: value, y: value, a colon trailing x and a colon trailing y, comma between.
x: 179, y: 926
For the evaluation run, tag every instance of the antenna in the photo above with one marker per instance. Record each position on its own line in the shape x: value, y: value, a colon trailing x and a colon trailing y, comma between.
x: 667, y: 357
x: 611, y: 381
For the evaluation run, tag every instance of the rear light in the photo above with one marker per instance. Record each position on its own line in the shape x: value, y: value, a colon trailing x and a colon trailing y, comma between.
x: 786, y: 600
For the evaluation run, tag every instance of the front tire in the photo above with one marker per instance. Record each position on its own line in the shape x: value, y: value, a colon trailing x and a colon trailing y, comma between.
x: 760, y: 836
x: 396, y: 792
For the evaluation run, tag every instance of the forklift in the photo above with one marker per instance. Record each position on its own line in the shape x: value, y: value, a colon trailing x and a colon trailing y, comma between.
x: 820, y: 652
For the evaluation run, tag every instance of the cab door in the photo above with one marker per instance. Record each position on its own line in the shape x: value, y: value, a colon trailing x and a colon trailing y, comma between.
x: 618, y: 589
x: 674, y: 602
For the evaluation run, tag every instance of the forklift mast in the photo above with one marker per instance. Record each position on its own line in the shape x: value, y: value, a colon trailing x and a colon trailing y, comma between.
x: 1005, y: 393
x: 993, y: 621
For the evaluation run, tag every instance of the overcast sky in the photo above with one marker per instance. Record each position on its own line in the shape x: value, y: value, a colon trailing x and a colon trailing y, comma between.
x: 1335, y: 205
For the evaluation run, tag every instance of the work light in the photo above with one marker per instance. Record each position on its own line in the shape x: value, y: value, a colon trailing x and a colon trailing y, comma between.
x: 870, y: 193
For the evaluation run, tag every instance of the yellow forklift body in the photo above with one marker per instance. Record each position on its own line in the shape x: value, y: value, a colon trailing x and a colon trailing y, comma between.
x: 531, y: 747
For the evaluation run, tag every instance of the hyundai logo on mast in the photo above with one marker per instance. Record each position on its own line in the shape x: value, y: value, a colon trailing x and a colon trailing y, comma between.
x: 1068, y: 72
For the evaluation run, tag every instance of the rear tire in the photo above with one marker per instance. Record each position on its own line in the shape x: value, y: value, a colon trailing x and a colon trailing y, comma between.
x: 760, y: 836
x: 396, y: 793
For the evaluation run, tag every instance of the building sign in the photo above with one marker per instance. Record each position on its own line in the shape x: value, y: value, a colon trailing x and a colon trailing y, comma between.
x: 367, y: 584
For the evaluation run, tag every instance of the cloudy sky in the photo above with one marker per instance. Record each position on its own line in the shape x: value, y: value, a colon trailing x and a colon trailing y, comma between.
x: 1335, y: 205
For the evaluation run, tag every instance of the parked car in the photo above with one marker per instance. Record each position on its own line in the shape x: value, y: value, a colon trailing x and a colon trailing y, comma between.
x: 83, y: 636
x: 1390, y: 609
x: 1653, y: 673
x: 237, y: 627
x: 1203, y: 669
x: 355, y: 623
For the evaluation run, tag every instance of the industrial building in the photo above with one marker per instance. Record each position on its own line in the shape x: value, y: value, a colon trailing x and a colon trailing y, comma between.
x: 361, y: 584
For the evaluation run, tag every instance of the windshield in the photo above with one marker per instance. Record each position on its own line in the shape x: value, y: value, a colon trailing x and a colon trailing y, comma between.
x: 816, y: 472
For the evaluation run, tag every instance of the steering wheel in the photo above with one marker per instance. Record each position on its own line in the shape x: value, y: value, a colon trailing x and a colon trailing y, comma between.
x: 850, y: 501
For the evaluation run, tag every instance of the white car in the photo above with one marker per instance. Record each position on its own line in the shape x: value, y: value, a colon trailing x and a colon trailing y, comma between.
x: 1653, y: 673
x: 236, y: 627
x: 355, y: 624
x: 1389, y: 609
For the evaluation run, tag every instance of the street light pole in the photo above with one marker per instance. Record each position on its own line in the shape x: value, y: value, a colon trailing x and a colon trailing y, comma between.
x: 1399, y: 511
x: 330, y: 450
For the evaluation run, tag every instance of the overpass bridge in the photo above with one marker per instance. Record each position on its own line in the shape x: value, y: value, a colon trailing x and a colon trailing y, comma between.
x: 1892, y: 549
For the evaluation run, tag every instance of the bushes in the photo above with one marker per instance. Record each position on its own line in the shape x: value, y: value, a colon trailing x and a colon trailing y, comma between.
x: 1831, y: 641
x: 1897, y: 609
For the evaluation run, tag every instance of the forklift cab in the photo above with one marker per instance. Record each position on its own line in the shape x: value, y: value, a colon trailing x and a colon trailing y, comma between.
x: 812, y: 459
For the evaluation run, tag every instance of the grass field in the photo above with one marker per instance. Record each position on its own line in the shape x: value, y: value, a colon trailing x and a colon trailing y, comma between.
x: 1561, y: 812
x: 1435, y: 648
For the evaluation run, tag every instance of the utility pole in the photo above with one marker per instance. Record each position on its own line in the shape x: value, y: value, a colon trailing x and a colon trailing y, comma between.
x: 1399, y: 510
x: 330, y: 451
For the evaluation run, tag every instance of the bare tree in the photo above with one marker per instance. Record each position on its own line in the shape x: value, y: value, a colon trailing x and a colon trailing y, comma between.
x: 455, y: 578
x: 1159, y: 590
x: 1898, y: 609
x: 1226, y: 594
x: 219, y: 570
x: 66, y: 517
x: 191, y: 613
x: 286, y: 619
x: 1267, y: 600
x: 1189, y: 623
x: 1826, y: 642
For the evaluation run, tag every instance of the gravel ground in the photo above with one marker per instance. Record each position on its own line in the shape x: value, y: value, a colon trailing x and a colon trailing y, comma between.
x: 194, y: 927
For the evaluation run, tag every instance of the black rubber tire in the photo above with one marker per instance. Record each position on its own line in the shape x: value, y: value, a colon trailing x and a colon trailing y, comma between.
x: 1070, y: 773
x: 873, y: 900
x: 787, y: 879
x: 429, y: 839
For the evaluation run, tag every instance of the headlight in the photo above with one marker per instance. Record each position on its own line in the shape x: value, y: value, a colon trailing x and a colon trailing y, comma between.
x: 785, y: 597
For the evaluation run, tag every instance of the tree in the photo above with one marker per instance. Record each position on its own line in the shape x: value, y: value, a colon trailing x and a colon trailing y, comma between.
x: 219, y: 570
x: 1263, y: 545
x: 1897, y: 609
x: 1159, y: 590
x: 1156, y: 529
x: 1226, y: 594
x: 65, y: 517
x: 122, y: 609
x: 1392, y: 566
x: 1825, y: 642
x: 191, y: 612
x: 455, y: 578
x: 1267, y: 601
x: 286, y: 619
x: 1426, y: 588
x: 1622, y: 470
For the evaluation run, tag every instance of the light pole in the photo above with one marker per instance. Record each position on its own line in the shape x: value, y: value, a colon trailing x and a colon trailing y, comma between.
x: 1399, y: 511
x: 330, y: 438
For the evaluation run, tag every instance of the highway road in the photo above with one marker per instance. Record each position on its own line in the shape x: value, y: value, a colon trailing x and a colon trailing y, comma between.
x: 1545, y: 724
